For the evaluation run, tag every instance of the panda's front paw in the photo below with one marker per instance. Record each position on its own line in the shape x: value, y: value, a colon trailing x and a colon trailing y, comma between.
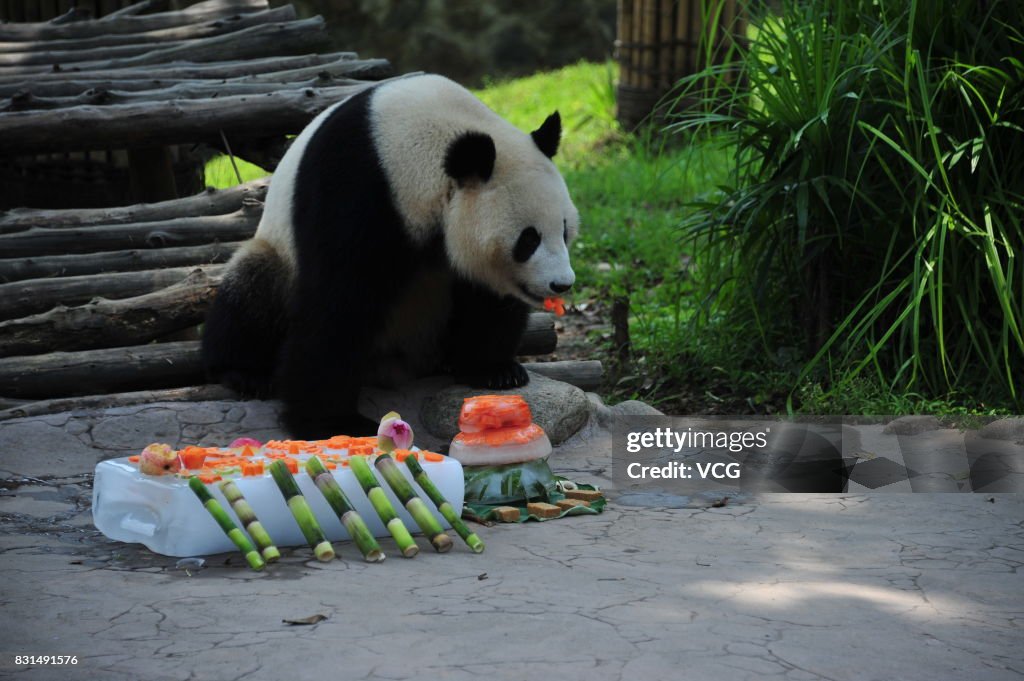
x: 495, y: 376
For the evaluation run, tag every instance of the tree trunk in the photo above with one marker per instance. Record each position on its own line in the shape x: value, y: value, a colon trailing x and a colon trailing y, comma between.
x: 91, y: 372
x: 147, y: 40
x: 292, y: 37
x: 196, y: 393
x: 584, y: 374
x: 23, y: 298
x: 37, y: 241
x: 182, y: 70
x: 210, y: 202
x: 204, y: 11
x: 110, y: 323
x: 18, y: 269
x: 178, y: 122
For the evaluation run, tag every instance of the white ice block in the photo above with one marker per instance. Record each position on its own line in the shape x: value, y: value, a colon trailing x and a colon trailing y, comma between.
x: 162, y: 513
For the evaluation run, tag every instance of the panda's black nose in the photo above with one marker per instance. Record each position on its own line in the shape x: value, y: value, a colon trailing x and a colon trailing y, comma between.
x: 559, y: 288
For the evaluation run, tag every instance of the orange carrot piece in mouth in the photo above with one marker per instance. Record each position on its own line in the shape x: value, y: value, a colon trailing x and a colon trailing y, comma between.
x: 556, y: 305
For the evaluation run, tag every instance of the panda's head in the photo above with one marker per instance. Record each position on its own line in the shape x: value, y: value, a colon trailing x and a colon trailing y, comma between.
x: 509, y: 219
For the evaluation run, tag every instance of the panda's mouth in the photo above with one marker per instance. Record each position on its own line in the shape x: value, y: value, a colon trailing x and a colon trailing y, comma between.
x: 530, y: 296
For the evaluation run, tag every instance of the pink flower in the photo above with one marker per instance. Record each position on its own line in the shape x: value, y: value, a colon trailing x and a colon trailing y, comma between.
x: 245, y: 442
x: 394, y: 433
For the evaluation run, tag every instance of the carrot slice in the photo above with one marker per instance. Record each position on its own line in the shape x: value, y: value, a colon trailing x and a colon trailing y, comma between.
x: 433, y: 456
x: 134, y: 458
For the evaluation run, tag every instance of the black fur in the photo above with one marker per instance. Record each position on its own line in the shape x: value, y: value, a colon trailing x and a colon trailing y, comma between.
x: 470, y: 157
x: 548, y: 135
x: 354, y: 259
x: 246, y: 323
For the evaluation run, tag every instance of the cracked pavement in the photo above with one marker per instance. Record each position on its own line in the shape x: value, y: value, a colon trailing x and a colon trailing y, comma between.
x: 783, y: 586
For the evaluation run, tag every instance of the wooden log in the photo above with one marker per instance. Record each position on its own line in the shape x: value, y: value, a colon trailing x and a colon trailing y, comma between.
x: 195, y: 393
x: 62, y: 51
x: 106, y: 323
x: 180, y: 121
x: 137, y: 8
x: 540, y: 337
x: 236, y: 226
x: 26, y: 101
x: 584, y: 374
x: 203, y: 11
x: 291, y: 37
x: 210, y: 202
x: 340, y: 72
x: 18, y: 269
x: 32, y: 296
x: 90, y: 372
x: 181, y: 70
x: 157, y: 365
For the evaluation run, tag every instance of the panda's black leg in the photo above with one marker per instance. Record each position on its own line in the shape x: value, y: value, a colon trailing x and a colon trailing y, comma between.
x: 246, y: 323
x: 320, y: 375
x: 483, y: 336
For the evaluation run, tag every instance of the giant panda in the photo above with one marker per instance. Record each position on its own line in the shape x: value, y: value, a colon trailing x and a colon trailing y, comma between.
x: 407, y: 229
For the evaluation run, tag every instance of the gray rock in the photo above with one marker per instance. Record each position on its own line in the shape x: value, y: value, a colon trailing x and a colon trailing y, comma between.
x: 1011, y: 430
x: 29, y: 505
x: 235, y: 414
x: 135, y: 431
x: 260, y: 414
x: 78, y: 426
x: 559, y: 408
x: 31, y: 447
x: 201, y: 414
x: 911, y: 425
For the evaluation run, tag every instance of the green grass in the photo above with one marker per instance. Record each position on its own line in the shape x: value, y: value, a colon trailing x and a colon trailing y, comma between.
x: 633, y: 194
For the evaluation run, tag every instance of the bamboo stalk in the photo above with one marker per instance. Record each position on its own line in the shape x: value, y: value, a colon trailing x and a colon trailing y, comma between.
x: 249, y: 520
x: 665, y: 74
x: 443, y: 505
x: 352, y: 521
x: 368, y: 481
x: 413, y: 504
x: 302, y: 512
x: 236, y: 535
x: 626, y: 42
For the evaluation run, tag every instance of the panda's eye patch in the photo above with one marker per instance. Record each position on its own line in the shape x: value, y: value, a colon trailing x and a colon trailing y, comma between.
x: 527, y: 243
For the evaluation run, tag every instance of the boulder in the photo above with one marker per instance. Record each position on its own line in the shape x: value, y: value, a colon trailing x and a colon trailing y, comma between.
x: 559, y: 408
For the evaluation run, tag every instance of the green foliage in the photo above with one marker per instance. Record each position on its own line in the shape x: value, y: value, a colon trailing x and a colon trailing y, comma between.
x: 873, y: 209
x: 220, y: 173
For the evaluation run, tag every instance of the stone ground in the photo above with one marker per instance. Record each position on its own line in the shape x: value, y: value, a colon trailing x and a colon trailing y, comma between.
x: 857, y: 586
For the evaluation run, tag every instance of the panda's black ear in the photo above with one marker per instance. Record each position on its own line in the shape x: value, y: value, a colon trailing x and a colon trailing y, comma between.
x: 547, y: 136
x: 470, y: 157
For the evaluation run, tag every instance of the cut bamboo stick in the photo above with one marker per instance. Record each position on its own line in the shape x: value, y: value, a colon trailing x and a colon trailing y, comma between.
x: 249, y: 520
x: 352, y: 521
x: 252, y: 556
x: 443, y: 506
x: 303, y: 514
x: 413, y: 504
x: 386, y: 512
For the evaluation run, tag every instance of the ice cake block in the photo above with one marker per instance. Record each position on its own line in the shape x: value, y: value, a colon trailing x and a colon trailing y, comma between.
x: 161, y: 512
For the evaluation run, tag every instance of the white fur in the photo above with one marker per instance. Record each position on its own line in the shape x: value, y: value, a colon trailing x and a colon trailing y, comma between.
x: 414, y: 120
x: 276, y: 223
